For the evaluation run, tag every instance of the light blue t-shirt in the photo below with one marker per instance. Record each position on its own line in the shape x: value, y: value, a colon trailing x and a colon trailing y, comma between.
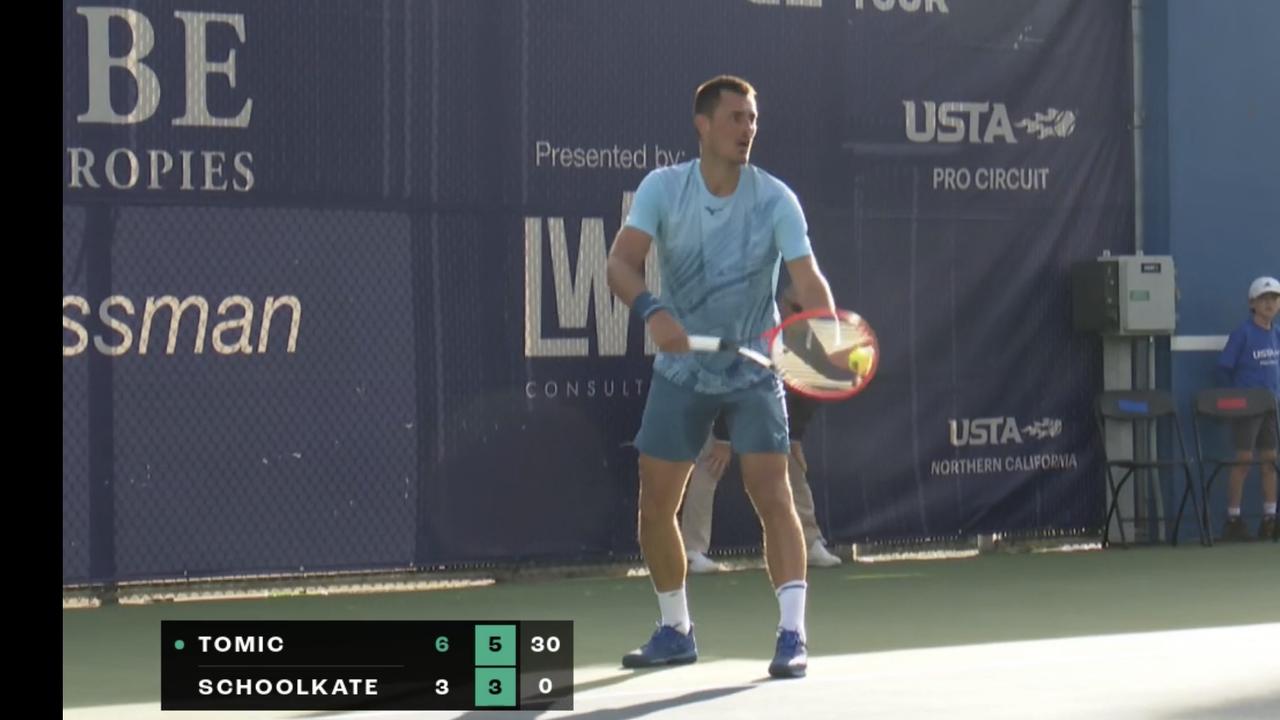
x: 719, y: 260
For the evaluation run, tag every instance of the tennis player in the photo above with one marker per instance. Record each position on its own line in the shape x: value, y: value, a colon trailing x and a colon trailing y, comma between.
x: 722, y: 229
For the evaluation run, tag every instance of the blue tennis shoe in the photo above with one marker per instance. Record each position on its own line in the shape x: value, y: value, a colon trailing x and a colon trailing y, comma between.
x: 791, y: 659
x: 668, y: 646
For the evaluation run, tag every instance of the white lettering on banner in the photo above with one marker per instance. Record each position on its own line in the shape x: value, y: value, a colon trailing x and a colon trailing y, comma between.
x: 956, y: 121
x: 111, y: 168
x: 983, y: 123
x: 576, y: 289
x: 984, y: 431
x: 911, y: 6
x: 569, y: 388
x: 124, y: 168
x: 154, y: 173
x: 233, y: 335
x: 548, y: 155
x: 199, y: 68
x: 1007, y: 464
x: 939, y: 6
x: 988, y: 178
x: 789, y: 3
x: 100, y: 61
x: 999, y: 430
x: 953, y: 122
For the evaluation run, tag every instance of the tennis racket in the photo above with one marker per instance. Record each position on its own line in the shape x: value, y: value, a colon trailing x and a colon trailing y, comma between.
x: 817, y: 353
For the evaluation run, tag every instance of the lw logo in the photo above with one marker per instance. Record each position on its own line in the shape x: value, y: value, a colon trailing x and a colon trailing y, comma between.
x: 1000, y: 431
x: 576, y: 289
x: 980, y: 122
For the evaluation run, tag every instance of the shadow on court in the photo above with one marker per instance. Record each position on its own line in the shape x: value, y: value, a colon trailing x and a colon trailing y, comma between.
x: 686, y: 701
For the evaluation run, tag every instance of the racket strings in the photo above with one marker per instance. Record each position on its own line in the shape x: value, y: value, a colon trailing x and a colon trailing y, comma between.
x: 807, y: 355
x: 807, y: 377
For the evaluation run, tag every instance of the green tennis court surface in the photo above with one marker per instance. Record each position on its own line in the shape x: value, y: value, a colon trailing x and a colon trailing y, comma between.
x: 1151, y: 632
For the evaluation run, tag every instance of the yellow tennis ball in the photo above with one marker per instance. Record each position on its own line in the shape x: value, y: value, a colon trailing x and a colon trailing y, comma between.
x: 860, y: 359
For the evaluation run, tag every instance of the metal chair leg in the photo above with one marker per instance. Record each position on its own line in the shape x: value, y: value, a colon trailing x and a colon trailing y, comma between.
x: 1205, y: 484
x: 1177, y: 521
x: 1196, y: 506
x: 1114, y: 508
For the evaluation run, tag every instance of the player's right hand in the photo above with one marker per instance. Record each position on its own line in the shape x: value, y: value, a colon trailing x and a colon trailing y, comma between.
x: 667, y: 333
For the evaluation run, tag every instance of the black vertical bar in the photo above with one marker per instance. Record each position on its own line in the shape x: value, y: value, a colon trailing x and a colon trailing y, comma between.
x: 99, y: 237
x: 424, y: 365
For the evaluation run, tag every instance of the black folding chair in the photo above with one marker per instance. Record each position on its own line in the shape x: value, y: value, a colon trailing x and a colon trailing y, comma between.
x: 1221, y: 406
x: 1141, y: 409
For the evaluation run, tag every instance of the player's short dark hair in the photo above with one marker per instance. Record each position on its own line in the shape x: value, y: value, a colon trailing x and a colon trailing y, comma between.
x: 707, y: 97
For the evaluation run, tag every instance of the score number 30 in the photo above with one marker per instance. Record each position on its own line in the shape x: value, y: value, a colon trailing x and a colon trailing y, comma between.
x: 549, y: 644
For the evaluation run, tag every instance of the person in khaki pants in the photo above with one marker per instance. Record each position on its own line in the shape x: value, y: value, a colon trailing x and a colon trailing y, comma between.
x: 695, y: 519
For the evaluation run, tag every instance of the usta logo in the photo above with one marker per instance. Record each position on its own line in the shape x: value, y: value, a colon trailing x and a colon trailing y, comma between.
x: 980, y: 122
x: 1000, y: 430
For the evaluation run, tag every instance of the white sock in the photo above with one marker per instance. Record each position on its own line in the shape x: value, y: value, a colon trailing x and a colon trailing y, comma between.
x: 675, y: 609
x: 1233, y: 512
x: 791, y: 598
x: 1268, y: 508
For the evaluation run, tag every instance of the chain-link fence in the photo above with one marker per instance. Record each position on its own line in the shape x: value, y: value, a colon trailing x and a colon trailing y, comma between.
x: 257, y: 412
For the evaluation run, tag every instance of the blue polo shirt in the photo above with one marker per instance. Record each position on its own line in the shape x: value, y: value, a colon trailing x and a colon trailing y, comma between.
x: 719, y: 259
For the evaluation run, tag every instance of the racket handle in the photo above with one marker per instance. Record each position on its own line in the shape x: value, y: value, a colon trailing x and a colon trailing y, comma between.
x: 708, y: 343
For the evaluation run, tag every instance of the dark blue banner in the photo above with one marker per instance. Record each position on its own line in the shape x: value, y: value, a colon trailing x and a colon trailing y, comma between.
x: 420, y: 197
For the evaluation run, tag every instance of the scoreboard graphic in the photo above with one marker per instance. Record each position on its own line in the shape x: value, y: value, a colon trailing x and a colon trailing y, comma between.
x: 367, y: 665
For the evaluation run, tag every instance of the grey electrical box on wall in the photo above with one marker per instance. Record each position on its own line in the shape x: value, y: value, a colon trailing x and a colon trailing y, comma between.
x: 1124, y: 295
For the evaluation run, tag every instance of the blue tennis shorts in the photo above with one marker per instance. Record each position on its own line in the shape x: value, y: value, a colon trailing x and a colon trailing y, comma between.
x: 677, y: 420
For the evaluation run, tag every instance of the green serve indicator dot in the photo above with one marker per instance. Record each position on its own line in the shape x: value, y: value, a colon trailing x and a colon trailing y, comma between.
x: 179, y: 644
